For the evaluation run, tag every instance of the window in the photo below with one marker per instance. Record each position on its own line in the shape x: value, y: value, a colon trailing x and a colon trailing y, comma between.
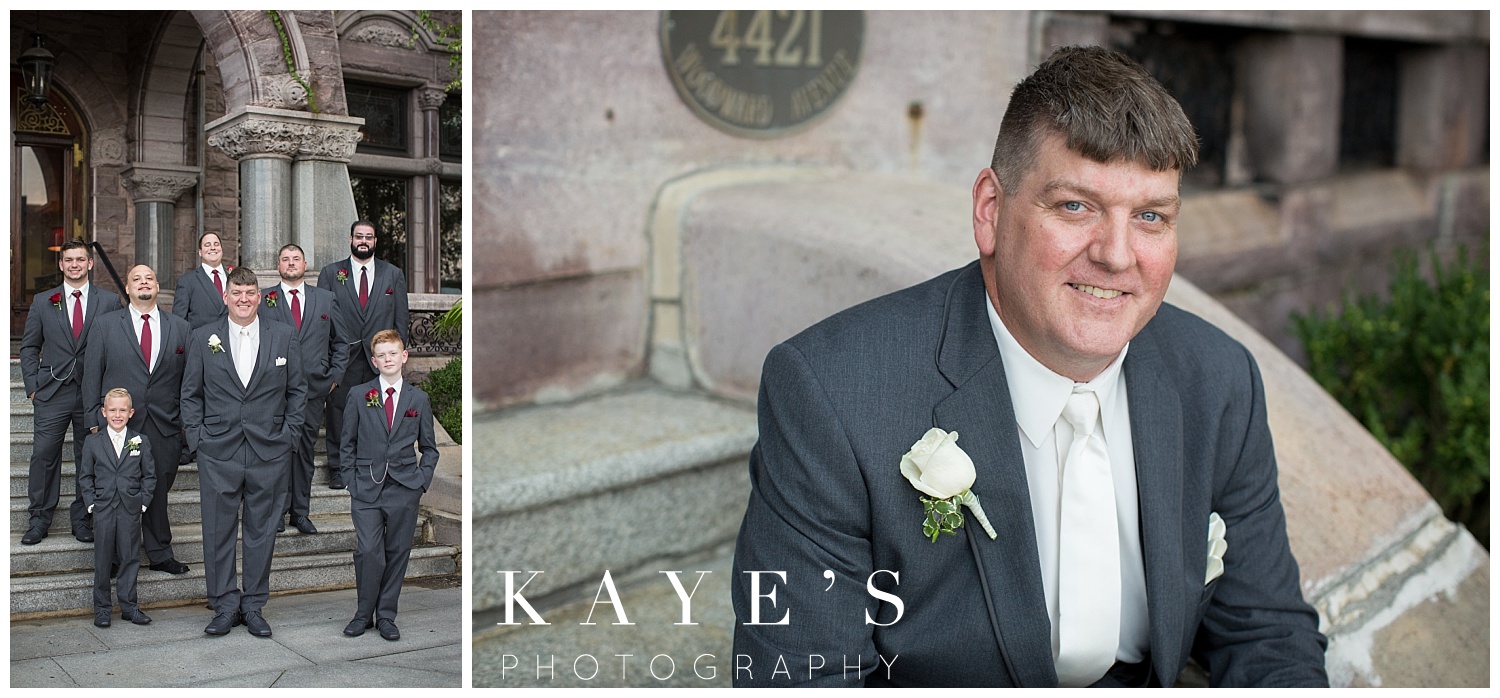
x: 383, y: 201
x: 385, y: 112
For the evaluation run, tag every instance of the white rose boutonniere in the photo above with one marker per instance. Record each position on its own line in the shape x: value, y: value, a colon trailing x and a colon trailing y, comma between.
x: 937, y: 467
x: 214, y: 345
x: 134, y: 444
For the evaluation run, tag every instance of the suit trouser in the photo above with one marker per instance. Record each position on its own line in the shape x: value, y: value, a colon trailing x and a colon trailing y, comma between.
x: 383, y: 533
x: 44, y: 479
x: 156, y: 528
x: 242, y: 482
x: 299, y: 484
x: 117, y: 538
x: 334, y: 426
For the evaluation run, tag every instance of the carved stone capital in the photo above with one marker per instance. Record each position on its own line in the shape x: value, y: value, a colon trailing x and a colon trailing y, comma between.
x: 257, y: 137
x: 430, y: 98
x: 147, y: 183
x: 266, y: 132
x: 329, y: 143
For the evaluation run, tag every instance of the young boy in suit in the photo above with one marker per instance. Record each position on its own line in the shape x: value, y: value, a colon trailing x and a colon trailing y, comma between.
x: 117, y: 477
x: 383, y: 419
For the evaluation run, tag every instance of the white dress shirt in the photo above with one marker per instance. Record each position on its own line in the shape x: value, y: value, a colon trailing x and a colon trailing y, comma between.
x: 395, y: 397
x: 354, y: 266
x: 1038, y: 396
x: 82, y: 299
x: 223, y: 275
x: 156, y: 332
x: 117, y: 438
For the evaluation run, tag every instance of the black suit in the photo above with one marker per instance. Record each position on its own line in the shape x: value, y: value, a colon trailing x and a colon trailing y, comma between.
x: 156, y: 394
x: 841, y: 402
x: 51, y: 369
x: 385, y: 309
x: 197, y: 300
x: 324, y: 344
x: 117, y: 487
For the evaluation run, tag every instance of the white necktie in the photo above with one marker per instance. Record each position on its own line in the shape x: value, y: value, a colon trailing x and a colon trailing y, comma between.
x: 1089, y: 552
x: 118, y: 440
x: 244, y: 357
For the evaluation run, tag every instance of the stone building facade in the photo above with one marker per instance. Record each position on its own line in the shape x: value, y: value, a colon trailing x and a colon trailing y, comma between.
x: 161, y: 125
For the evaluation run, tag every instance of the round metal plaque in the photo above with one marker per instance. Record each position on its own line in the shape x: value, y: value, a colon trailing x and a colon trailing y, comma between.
x: 762, y: 73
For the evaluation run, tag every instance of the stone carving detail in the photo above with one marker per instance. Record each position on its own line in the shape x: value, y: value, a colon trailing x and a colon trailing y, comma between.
x: 145, y: 186
x: 108, y: 150
x: 302, y: 141
x: 281, y: 92
x: 434, y: 166
x: 431, y: 98
x: 382, y: 34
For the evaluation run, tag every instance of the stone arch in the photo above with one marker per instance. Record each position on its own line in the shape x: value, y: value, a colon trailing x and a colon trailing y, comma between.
x: 101, y: 115
x: 161, y: 106
x: 248, y: 49
x: 388, y: 28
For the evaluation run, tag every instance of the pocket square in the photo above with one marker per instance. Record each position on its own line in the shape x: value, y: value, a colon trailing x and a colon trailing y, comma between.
x: 133, y: 453
x: 389, y: 292
x: 281, y: 361
x: 1216, y: 548
x: 325, y: 317
x: 411, y: 413
x: 179, y: 350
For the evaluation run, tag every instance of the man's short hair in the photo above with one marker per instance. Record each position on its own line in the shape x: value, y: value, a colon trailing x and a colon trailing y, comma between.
x: 290, y: 246
x: 361, y: 222
x: 386, y: 337
x: 205, y: 235
x: 119, y: 392
x: 1104, y: 104
x: 75, y: 244
x: 242, y: 276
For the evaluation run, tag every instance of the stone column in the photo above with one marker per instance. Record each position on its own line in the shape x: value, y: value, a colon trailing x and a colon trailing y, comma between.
x: 155, y: 189
x: 1293, y: 86
x: 425, y: 272
x: 294, y: 183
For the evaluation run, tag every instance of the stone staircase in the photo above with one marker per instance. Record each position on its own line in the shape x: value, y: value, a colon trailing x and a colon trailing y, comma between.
x: 55, y: 577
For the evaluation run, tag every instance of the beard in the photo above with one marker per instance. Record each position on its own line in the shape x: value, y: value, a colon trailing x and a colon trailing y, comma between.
x: 145, y: 295
x: 361, y: 255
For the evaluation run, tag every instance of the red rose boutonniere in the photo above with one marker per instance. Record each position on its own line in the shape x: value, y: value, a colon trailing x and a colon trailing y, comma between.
x: 342, y: 276
x: 271, y: 299
x: 411, y: 413
x: 179, y: 350
x: 372, y: 398
x: 56, y: 300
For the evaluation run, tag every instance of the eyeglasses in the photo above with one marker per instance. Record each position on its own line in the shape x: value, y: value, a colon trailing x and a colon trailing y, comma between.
x: 363, y: 237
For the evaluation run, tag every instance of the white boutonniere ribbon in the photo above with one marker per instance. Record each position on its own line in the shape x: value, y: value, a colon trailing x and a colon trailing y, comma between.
x: 937, y: 467
x: 214, y: 346
x: 281, y: 361
x: 1216, y: 548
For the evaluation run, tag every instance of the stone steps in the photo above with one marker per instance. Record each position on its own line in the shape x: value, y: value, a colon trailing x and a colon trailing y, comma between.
x: 611, y: 482
x: 182, y: 507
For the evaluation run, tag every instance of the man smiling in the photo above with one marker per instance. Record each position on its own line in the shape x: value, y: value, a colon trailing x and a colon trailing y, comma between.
x: 1118, y: 445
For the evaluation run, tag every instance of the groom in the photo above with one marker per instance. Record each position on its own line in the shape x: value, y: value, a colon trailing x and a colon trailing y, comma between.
x: 1119, y: 446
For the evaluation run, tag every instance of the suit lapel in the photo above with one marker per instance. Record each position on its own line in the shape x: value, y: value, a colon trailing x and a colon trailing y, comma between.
x: 94, y: 308
x: 1156, y: 431
x: 979, y: 410
x: 262, y: 358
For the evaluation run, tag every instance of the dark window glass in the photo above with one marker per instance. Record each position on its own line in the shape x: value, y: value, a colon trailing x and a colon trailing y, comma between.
x: 384, y: 111
x: 451, y: 128
x: 383, y: 201
x: 451, y: 236
x: 1367, y: 128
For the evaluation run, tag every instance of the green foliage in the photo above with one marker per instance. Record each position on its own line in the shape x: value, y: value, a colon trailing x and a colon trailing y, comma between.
x: 451, y: 323
x: 446, y: 388
x: 286, y: 56
x: 1415, y: 371
x: 943, y: 516
x: 451, y: 36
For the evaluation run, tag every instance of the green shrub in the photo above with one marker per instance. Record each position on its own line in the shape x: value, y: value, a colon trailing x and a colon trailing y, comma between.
x: 446, y: 388
x: 1415, y: 370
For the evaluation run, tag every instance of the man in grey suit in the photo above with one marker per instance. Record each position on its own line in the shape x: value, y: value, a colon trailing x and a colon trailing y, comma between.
x: 145, y: 353
x: 199, y: 298
x: 1067, y: 382
x: 382, y: 421
x: 53, y: 345
x: 243, y: 393
x: 324, y: 343
x: 371, y: 296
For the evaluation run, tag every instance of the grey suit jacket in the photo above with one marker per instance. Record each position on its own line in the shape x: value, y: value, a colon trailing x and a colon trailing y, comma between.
x: 385, y: 310
x: 371, y: 452
x: 196, y: 300
x: 841, y: 402
x: 128, y: 479
x: 219, y: 413
x: 50, y: 357
x: 323, y: 340
x: 116, y: 362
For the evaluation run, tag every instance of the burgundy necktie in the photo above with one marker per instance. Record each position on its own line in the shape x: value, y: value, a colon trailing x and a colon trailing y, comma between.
x: 296, y: 310
x: 146, y: 339
x: 390, y: 409
x: 77, y: 314
x: 364, y: 287
x: 218, y: 284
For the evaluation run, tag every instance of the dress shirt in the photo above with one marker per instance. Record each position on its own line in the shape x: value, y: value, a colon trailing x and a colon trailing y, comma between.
x: 355, y: 265
x: 223, y: 275
x: 156, y: 332
x: 286, y: 297
x: 1038, y: 396
x: 117, y: 438
x: 396, y: 396
x: 82, y: 300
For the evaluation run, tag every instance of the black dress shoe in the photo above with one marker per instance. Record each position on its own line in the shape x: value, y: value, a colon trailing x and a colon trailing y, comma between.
x: 137, y: 616
x: 101, y: 619
x: 305, y: 525
x: 84, y: 535
x: 335, y: 483
x: 256, y: 624
x: 34, y: 535
x: 114, y: 570
x: 358, y: 626
x: 387, y: 628
x: 221, y: 623
x: 170, y: 566
x: 280, y: 526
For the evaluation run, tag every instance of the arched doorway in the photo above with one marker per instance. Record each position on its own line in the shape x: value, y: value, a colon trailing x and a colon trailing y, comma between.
x: 49, y: 162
